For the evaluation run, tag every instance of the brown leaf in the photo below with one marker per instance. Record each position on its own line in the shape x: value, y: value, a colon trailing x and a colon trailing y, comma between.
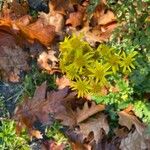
x: 44, y: 34
x: 18, y: 10
x: 102, y: 16
x: 35, y: 133
x: 76, y: 18
x: 79, y: 146
x: 31, y: 110
x: 62, y: 82
x: 39, y: 108
x: 86, y: 111
x: 128, y: 121
x: 48, y: 61
x: 95, y: 125
x: 53, y: 18
x: 32, y: 32
x: 61, y: 6
x: 100, y: 33
x: 13, y: 60
x: 52, y: 145
x: 134, y: 141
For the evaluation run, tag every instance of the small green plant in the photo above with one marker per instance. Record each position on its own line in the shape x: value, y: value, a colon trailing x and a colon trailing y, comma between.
x: 35, y: 78
x: 8, y: 138
x: 88, y: 68
x: 3, y: 110
x: 119, y: 99
x: 142, y: 110
x: 54, y: 133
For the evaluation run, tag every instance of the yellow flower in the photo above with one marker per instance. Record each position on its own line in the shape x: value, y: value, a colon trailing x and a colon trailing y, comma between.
x: 127, y: 61
x: 81, y: 61
x: 104, y: 50
x: 65, y: 45
x: 99, y: 72
x: 114, y: 61
x: 72, y: 72
x: 82, y: 86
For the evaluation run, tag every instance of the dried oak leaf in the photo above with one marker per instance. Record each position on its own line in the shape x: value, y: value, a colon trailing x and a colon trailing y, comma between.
x: 95, y: 125
x: 100, y: 33
x: 134, y: 141
x: 128, y: 120
x: 39, y: 108
x: 76, y: 18
x: 86, y: 111
x: 31, y: 110
x: 31, y: 32
x: 38, y: 31
x: 48, y: 61
x: 53, y: 18
x: 102, y: 16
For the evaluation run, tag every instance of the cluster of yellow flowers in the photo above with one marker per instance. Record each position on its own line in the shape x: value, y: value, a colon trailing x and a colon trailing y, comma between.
x: 89, y: 68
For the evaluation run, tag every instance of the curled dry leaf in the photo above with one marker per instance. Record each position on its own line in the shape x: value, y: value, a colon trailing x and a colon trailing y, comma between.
x: 48, y: 61
x: 102, y: 16
x: 100, y: 33
x: 76, y: 18
x: 86, y: 111
x: 129, y: 120
x: 95, y: 125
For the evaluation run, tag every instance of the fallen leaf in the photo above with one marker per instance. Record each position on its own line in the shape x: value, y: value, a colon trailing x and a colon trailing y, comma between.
x: 134, y: 141
x: 62, y: 82
x: 129, y: 120
x: 32, y: 32
x: 100, y: 33
x: 52, y: 145
x: 44, y: 34
x: 13, y: 60
x: 35, y: 133
x: 95, y: 125
x: 48, y: 61
x: 86, y: 111
x: 53, y: 18
x: 79, y: 146
x: 102, y: 15
x: 61, y: 6
x: 18, y: 9
x: 76, y: 18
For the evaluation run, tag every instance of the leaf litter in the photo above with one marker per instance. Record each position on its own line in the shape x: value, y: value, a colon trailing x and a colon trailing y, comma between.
x: 86, y: 120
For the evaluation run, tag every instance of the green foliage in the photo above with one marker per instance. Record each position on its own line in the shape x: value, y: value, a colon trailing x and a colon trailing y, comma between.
x: 134, y: 34
x: 3, y: 110
x: 119, y: 99
x: 142, y: 110
x: 8, y: 138
x: 35, y: 78
x: 88, y: 68
x: 54, y: 133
